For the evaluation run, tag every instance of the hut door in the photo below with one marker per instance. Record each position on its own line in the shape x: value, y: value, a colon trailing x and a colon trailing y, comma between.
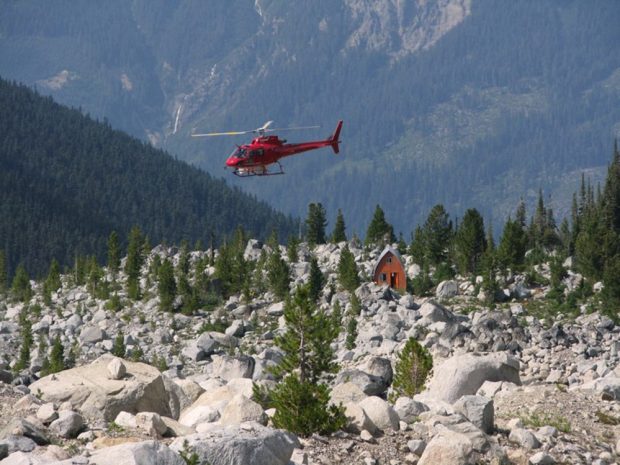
x: 393, y: 280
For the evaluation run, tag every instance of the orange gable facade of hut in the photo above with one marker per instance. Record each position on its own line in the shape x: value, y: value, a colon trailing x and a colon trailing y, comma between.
x: 389, y: 270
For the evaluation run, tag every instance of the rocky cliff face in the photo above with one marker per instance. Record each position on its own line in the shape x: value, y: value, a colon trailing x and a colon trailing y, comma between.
x: 400, y: 27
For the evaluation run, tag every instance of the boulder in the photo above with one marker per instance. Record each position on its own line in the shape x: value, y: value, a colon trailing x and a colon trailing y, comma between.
x: 380, y: 413
x: 464, y: 374
x: 116, y: 369
x: 126, y: 420
x: 89, y: 390
x: 136, y: 453
x: 248, y: 443
x: 408, y: 410
x: 478, y: 410
x: 47, y: 413
x: 447, y: 290
x: 151, y: 423
x: 525, y: 438
x: 347, y: 392
x: 381, y: 368
x: 240, y: 409
x: 357, y: 420
x: 21, y: 427
x: 448, y: 448
x: 12, y: 443
x: 228, y: 367
x: 68, y: 424
x: 370, y: 385
x: 91, y: 334
x: 199, y: 414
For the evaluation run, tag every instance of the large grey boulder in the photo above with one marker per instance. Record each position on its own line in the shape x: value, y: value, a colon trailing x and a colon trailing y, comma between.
x: 21, y: 427
x: 136, y: 453
x: 380, y: 413
x: 381, y: 368
x: 240, y: 409
x: 67, y: 425
x: 464, y: 374
x: 369, y: 384
x: 478, y: 410
x: 357, y: 420
x: 446, y: 290
x: 448, y: 448
x: 92, y: 334
x: 248, y: 443
x: 227, y: 367
x: 408, y: 410
x: 89, y: 390
x: 347, y: 392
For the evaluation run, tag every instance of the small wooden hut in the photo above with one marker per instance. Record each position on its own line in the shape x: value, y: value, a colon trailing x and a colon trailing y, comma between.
x: 389, y: 270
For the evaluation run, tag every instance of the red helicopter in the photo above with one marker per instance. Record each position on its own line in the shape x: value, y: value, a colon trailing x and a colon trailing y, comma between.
x: 256, y: 158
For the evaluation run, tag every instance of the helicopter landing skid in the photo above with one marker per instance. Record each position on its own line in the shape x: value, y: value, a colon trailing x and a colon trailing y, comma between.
x: 257, y: 171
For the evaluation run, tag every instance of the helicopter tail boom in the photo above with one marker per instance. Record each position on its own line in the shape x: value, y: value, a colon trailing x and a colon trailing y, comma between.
x: 334, y: 138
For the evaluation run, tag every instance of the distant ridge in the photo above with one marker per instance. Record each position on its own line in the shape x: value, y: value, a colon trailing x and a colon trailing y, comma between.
x: 67, y: 182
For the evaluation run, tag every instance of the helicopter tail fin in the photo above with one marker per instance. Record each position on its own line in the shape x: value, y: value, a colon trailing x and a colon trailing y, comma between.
x: 334, y: 138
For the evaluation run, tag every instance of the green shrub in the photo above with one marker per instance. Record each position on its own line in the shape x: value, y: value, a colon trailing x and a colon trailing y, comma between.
x: 412, y: 368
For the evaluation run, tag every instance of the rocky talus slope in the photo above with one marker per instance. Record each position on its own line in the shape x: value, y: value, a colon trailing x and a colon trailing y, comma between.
x: 508, y: 385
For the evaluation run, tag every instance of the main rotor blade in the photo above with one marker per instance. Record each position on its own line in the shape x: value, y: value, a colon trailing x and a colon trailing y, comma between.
x: 231, y: 133
x: 296, y: 128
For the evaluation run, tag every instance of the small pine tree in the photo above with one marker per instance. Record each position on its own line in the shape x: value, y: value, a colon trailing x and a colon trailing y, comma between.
x: 21, y: 288
x: 26, y: 341
x: 317, y: 279
x: 278, y: 274
x: 470, y: 242
x: 114, y: 253
x: 412, y: 368
x: 292, y: 249
x: 57, y: 360
x: 135, y: 260
x: 351, y: 334
x: 315, y: 224
x: 347, y: 270
x: 300, y: 398
x: 379, y: 230
x: 166, y: 285
x: 118, y: 348
x: 52, y: 282
x: 339, y: 234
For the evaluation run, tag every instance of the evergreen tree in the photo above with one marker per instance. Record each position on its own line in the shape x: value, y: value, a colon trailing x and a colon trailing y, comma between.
x: 21, y: 289
x: 26, y: 341
x: 316, y: 224
x: 52, y: 282
x: 317, y: 280
x: 135, y: 260
x: 379, y: 231
x: 412, y: 368
x: 57, y: 360
x: 278, y: 274
x: 80, y: 266
x: 512, y: 246
x: 470, y: 242
x: 118, y: 348
x: 114, y: 253
x: 339, y: 233
x: 292, y: 249
x: 3, y: 272
x: 611, y: 289
x: 347, y: 270
x: 166, y: 286
x: 416, y: 248
x: 436, y: 236
x: 300, y: 398
x: 610, y: 202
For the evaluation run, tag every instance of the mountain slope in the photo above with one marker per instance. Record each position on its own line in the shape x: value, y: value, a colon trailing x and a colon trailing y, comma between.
x: 67, y: 181
x: 472, y: 103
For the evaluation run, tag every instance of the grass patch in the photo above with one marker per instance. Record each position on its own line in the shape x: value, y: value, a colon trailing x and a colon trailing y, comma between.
x: 536, y: 420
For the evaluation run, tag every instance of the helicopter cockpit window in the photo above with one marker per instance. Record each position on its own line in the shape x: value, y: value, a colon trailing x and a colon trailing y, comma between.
x: 256, y: 153
x: 240, y: 153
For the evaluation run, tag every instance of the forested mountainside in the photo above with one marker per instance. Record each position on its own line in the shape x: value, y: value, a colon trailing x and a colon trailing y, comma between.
x: 67, y: 182
x: 461, y: 102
